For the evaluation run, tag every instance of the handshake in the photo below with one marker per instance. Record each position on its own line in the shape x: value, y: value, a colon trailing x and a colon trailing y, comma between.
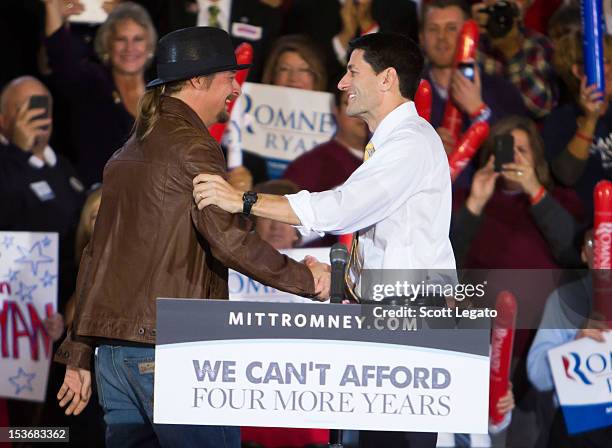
x: 321, y: 273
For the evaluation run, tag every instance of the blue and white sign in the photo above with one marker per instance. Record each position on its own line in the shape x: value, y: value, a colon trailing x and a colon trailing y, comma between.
x: 28, y: 294
x: 278, y: 124
x: 246, y: 289
x: 582, y: 371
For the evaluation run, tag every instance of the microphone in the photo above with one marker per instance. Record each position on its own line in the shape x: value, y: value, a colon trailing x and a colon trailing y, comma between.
x: 338, y: 256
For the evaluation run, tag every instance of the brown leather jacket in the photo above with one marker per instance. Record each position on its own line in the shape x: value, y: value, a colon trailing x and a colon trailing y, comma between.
x: 151, y: 241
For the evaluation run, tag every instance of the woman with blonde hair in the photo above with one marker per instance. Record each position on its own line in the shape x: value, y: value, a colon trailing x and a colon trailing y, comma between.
x: 578, y: 135
x: 102, y: 97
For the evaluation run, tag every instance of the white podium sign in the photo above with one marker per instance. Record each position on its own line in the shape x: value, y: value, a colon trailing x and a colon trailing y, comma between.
x: 295, y: 365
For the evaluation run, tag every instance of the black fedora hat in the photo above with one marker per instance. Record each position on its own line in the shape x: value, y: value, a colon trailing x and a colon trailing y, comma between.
x: 194, y: 51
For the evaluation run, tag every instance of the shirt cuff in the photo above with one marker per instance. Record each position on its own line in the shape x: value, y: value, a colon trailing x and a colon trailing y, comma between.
x: 496, y: 429
x: 301, y: 205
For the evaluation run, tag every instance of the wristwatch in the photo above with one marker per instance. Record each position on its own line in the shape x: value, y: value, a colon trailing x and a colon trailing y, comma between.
x: 249, y: 198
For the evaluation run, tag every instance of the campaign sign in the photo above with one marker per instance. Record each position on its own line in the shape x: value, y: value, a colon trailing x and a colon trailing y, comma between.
x: 220, y: 362
x: 244, y: 288
x: 28, y: 294
x: 92, y: 12
x: 278, y: 124
x: 582, y: 371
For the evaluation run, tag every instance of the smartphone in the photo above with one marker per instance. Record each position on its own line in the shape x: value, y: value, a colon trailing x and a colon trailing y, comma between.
x: 503, y: 149
x: 40, y: 102
x: 467, y: 69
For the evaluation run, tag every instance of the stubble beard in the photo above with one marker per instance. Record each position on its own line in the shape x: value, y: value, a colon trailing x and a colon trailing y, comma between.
x: 223, y: 117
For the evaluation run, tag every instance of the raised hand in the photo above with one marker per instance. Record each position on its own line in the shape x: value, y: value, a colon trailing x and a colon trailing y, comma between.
x: 28, y: 131
x: 591, y: 101
x: 109, y: 5
x: 522, y: 173
x: 506, y: 403
x: 348, y: 14
x: 66, y: 8
x: 75, y: 390
x: 483, y: 186
x: 466, y: 94
x: 364, y: 15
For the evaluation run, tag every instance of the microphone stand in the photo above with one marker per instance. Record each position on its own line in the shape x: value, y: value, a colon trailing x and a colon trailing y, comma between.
x: 335, y: 438
x: 338, y: 259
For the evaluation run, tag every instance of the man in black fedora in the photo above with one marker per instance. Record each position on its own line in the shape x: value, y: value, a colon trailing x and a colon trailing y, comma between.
x: 150, y: 241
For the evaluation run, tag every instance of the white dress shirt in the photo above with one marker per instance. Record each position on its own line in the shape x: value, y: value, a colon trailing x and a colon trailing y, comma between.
x: 49, y: 157
x: 399, y: 199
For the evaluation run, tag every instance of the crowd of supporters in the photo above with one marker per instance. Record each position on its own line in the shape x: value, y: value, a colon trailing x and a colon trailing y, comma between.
x: 528, y: 82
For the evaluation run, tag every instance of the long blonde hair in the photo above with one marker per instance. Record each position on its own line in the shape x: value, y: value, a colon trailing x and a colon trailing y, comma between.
x: 85, y: 229
x: 148, y: 107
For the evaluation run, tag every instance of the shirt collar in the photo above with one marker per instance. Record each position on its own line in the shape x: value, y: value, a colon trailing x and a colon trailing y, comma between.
x: 390, y: 122
x: 49, y: 157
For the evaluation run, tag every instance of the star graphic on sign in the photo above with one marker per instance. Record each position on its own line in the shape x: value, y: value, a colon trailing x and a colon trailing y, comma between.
x: 46, y: 241
x: 25, y: 292
x: 47, y: 279
x: 7, y: 241
x: 12, y: 275
x: 22, y: 380
x: 33, y: 257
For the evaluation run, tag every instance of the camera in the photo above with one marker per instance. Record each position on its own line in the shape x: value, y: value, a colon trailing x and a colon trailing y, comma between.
x: 501, y: 18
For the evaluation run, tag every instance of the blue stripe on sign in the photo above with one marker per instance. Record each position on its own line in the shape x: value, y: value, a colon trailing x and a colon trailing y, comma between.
x: 582, y: 418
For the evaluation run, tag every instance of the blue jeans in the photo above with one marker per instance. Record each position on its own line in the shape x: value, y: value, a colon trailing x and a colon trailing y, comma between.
x: 124, y: 376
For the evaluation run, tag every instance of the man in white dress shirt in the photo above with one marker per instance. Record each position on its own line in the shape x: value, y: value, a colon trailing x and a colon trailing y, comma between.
x: 398, y: 200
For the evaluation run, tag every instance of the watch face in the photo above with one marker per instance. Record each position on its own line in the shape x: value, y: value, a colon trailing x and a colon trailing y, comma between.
x: 248, y: 199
